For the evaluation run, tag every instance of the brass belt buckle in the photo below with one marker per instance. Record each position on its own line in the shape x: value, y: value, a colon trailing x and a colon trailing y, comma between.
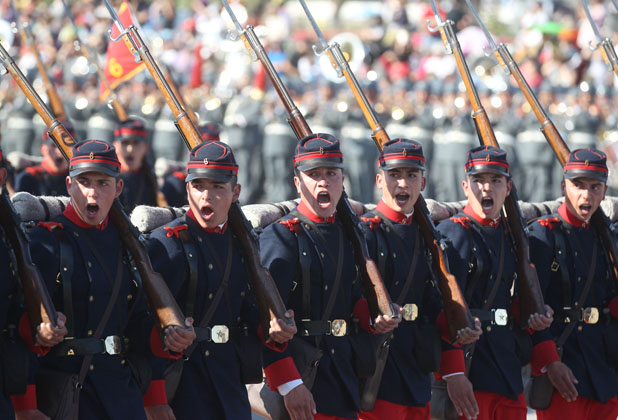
x: 219, y: 334
x: 590, y: 315
x: 410, y: 311
x: 501, y: 316
x: 338, y: 327
x: 113, y: 344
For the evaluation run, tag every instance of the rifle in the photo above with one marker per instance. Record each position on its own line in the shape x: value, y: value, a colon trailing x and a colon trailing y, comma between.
x: 599, y: 220
x: 377, y: 295
x: 608, y: 52
x: 529, y: 290
x: 270, y: 304
x: 39, y: 304
x: 166, y: 310
x: 455, y: 308
x: 28, y: 39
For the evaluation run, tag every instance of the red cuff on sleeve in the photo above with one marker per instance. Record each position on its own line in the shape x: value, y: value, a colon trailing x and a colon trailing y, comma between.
x: 361, y: 312
x: 155, y: 394
x: 443, y: 326
x: 613, y: 307
x: 452, y: 362
x: 543, y: 354
x: 281, y: 372
x: 26, y: 401
x: 156, y: 346
x: 273, y: 345
x: 25, y: 332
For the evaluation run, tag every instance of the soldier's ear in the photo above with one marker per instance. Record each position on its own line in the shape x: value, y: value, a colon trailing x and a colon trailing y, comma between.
x: 509, y: 186
x: 236, y: 192
x: 297, y: 184
x: 68, y: 181
x: 119, y: 186
x: 423, y: 184
x: 563, y: 187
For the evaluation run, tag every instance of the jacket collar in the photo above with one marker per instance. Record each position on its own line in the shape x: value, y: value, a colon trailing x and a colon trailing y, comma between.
x: 393, y: 215
x: 217, y: 229
x: 72, y: 215
x: 494, y: 223
x: 305, y: 211
x: 570, y: 218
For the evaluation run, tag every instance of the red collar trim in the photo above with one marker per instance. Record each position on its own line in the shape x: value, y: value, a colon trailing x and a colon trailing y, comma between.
x: 72, y: 215
x: 484, y: 222
x: 309, y: 214
x: 217, y: 229
x: 393, y: 215
x: 570, y: 218
x: 45, y: 165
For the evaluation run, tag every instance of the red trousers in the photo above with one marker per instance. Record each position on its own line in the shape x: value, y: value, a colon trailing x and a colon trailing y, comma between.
x: 384, y: 410
x: 326, y: 417
x: 581, y: 408
x: 498, y: 407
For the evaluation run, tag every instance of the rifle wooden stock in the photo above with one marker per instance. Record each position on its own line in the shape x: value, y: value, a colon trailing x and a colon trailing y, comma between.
x: 598, y: 220
x: 39, y: 304
x: 609, y: 55
x: 172, y: 85
x: 455, y: 308
x: 528, y: 287
x: 166, y: 310
x: 376, y: 293
x: 269, y: 302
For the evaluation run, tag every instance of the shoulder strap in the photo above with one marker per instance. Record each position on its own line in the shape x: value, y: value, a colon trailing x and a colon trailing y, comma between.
x: 67, y: 261
x: 497, y: 280
x: 411, y: 270
x: 191, y: 257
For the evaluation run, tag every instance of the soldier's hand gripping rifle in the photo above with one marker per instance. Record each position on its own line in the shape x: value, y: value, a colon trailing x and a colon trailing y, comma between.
x: 162, y: 303
x: 599, y: 220
x: 270, y: 304
x: 27, y: 38
x: 607, y: 47
x: 376, y: 293
x: 529, y: 290
x: 455, y: 308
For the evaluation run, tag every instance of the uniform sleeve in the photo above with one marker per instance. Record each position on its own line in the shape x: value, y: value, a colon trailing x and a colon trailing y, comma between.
x: 279, y: 254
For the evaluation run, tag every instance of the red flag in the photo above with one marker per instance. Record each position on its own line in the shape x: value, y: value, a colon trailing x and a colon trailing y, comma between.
x: 120, y: 65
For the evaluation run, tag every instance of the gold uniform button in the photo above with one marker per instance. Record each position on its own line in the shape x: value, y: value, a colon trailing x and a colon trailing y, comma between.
x: 91, y: 367
x: 90, y: 298
x: 122, y: 362
x: 129, y: 297
x: 89, y: 264
x: 326, y: 287
x: 206, y: 353
x: 322, y: 254
x: 210, y: 296
x: 89, y: 332
x: 210, y: 266
x: 488, y: 329
x: 332, y: 351
x: 579, y: 328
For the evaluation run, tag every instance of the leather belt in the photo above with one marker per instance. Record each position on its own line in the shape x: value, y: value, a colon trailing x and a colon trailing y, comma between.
x: 111, y: 345
x: 588, y: 315
x: 219, y: 334
x: 336, y: 327
x: 495, y: 316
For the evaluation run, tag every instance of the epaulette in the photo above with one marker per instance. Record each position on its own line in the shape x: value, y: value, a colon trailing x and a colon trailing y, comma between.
x: 549, y: 222
x: 374, y: 221
x: 292, y: 224
x: 35, y: 170
x: 50, y: 225
x: 180, y: 175
x: 463, y: 220
x: 173, y: 231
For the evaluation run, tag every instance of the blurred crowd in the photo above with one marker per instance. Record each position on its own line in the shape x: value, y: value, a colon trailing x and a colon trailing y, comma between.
x: 403, y: 67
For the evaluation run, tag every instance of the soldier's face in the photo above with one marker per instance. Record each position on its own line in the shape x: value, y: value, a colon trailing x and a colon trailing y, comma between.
x: 131, y: 153
x: 583, y: 196
x: 211, y: 201
x: 53, y: 159
x: 92, y: 195
x: 320, y: 189
x: 401, y: 188
x: 486, y: 193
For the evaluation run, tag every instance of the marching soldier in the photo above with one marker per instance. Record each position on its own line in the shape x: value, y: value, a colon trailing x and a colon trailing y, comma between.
x: 174, y: 186
x: 483, y: 261
x: 140, y: 185
x: 576, y: 276
x: 16, y: 333
x: 90, y: 278
x: 312, y: 263
x: 48, y: 178
x: 213, y: 288
x: 396, y: 244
